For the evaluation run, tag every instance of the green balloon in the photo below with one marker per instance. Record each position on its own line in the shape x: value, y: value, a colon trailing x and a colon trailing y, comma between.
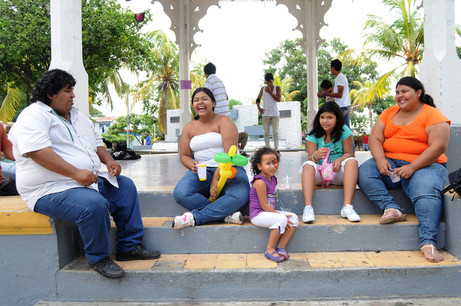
x: 239, y: 160
x: 222, y: 158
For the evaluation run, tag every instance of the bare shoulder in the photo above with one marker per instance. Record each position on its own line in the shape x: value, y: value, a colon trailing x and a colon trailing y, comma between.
x: 259, y: 183
x: 188, y: 128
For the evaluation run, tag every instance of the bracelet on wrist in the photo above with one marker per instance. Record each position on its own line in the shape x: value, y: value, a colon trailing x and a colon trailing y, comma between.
x: 313, y: 158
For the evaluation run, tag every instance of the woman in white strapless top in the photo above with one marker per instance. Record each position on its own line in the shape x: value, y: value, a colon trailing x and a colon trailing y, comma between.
x: 200, y: 140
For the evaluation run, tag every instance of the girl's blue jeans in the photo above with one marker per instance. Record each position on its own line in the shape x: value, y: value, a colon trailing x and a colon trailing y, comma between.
x: 90, y: 209
x: 193, y: 195
x: 424, y: 188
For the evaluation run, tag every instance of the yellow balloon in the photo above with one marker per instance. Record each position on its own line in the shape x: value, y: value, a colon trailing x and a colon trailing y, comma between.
x: 232, y: 151
x: 225, y: 172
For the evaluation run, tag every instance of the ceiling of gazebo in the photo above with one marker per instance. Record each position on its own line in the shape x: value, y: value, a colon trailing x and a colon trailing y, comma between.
x: 303, y: 10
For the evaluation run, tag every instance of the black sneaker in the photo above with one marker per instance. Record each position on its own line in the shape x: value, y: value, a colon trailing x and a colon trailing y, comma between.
x: 108, y: 268
x: 139, y: 252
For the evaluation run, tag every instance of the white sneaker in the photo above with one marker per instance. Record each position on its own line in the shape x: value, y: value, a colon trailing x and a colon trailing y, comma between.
x: 308, y: 214
x: 235, y: 218
x: 186, y: 220
x: 349, y: 213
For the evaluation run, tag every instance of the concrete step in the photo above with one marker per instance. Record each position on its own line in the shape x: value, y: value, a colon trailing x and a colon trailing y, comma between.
x: 159, y: 202
x: 242, y: 277
x: 327, y: 234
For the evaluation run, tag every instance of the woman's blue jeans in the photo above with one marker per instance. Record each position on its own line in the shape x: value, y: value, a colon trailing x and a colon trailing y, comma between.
x: 193, y: 195
x: 424, y: 188
x: 90, y: 210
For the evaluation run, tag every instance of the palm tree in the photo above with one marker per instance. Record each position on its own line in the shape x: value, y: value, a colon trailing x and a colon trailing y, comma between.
x: 10, y: 103
x: 402, y: 38
x: 285, y: 86
x: 367, y: 94
x: 164, y: 75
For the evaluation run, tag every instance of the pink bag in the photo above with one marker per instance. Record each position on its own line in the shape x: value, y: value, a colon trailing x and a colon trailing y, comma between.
x: 326, y: 170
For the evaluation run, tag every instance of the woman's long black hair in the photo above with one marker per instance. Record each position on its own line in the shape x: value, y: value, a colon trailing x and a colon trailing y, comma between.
x: 417, y: 85
x: 318, y: 130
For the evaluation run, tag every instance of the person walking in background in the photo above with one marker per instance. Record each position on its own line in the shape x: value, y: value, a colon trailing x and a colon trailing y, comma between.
x: 59, y: 156
x: 271, y: 95
x: 148, y: 140
x: 365, y: 142
x: 341, y: 90
x: 408, y: 144
x: 264, y: 165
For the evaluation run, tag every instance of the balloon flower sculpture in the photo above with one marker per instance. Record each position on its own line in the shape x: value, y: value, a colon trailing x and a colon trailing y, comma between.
x: 225, y: 167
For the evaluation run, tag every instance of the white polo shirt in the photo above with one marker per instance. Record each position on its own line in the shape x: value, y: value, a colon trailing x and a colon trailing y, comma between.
x: 345, y: 100
x: 216, y: 86
x: 39, y: 127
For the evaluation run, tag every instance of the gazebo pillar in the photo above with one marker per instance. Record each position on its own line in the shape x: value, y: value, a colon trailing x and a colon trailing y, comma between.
x: 310, y: 15
x: 66, y: 46
x: 185, y: 15
x: 440, y: 68
x: 184, y: 63
x: 312, y: 63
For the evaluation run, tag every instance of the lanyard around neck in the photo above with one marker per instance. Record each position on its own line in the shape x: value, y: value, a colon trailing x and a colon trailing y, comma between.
x: 64, y: 122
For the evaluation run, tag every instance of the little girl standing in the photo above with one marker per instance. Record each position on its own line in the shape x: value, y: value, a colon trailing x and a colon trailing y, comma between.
x: 264, y: 165
x: 330, y: 136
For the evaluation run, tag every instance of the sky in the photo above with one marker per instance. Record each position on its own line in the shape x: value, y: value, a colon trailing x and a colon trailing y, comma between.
x: 236, y: 37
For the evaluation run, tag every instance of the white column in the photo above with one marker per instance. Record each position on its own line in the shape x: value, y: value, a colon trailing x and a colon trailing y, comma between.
x: 66, y: 46
x: 184, y: 60
x: 440, y: 68
x: 312, y: 65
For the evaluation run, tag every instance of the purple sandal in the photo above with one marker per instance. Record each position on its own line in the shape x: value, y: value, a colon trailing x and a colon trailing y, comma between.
x: 274, y: 256
x: 282, y: 253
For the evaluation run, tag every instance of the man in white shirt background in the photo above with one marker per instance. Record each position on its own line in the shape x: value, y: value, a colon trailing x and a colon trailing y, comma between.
x: 341, y: 90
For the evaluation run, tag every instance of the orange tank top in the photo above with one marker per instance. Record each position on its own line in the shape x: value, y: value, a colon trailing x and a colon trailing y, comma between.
x: 407, y: 142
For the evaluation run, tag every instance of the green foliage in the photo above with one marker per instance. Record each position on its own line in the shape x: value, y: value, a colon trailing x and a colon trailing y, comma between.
x: 139, y: 125
x: 381, y: 104
x: 233, y: 102
x: 163, y: 80
x: 111, y: 38
x: 95, y: 113
x: 402, y: 38
x: 359, y: 122
x: 289, y: 61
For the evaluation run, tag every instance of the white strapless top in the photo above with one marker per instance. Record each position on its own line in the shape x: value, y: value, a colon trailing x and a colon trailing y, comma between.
x: 205, y: 146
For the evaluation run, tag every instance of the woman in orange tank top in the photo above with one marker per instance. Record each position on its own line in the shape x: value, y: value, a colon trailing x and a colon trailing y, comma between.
x: 408, y: 145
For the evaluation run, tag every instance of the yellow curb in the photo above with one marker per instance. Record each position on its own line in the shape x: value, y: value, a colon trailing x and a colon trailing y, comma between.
x: 24, y: 223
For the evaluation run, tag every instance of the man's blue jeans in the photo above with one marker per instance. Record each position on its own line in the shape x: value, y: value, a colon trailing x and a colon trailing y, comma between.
x: 423, y: 188
x: 193, y: 195
x: 90, y: 210
x: 347, y: 116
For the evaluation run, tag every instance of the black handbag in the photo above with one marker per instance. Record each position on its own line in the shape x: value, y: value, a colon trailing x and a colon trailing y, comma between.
x: 455, y: 183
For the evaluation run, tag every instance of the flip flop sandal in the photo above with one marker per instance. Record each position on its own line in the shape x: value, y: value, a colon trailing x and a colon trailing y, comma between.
x: 274, y: 256
x: 283, y: 253
x: 432, y: 252
x: 392, y: 215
